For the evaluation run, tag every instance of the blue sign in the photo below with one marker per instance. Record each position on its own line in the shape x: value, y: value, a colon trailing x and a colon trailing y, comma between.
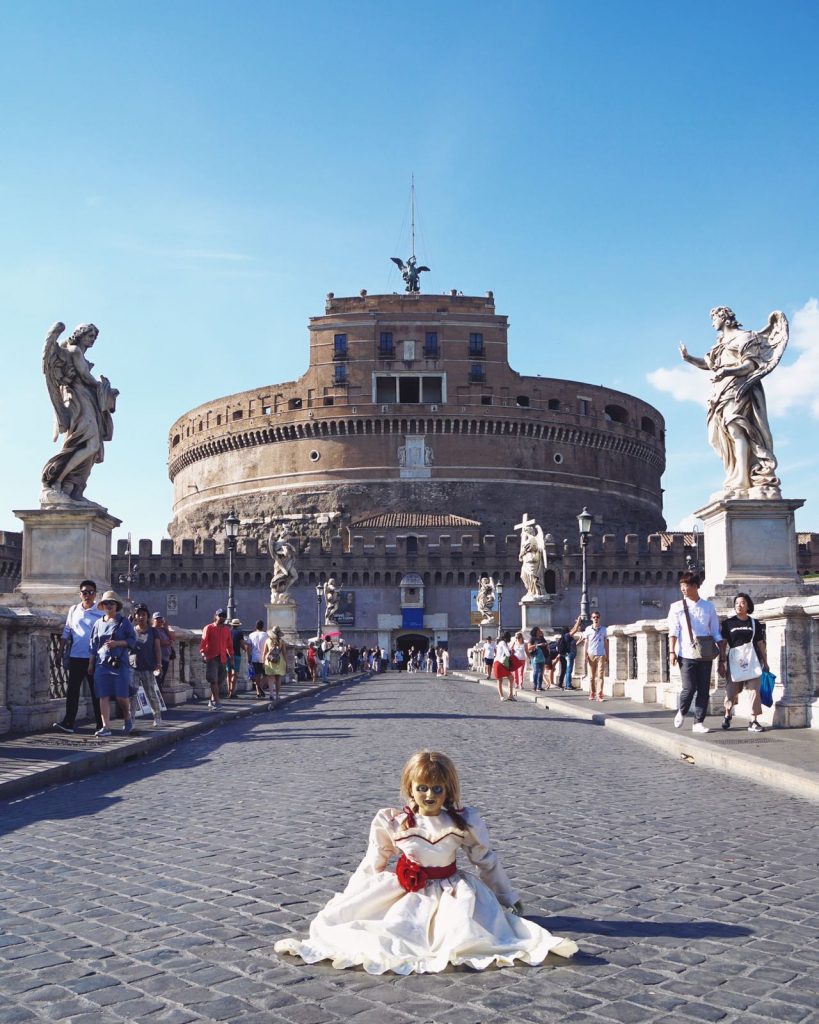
x: 412, y: 618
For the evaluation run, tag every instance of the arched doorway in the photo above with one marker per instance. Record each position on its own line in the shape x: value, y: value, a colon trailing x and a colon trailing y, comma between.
x: 405, y: 641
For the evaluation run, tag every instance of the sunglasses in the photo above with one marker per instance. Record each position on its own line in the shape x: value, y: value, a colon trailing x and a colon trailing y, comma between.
x: 87, y: 593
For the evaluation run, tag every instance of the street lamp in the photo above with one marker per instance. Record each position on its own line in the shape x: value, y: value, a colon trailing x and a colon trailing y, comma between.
x: 130, y: 576
x: 319, y: 595
x: 499, y: 592
x: 231, y: 533
x: 584, y: 525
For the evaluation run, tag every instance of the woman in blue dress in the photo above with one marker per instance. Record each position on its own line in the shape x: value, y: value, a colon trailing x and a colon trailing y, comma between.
x: 112, y: 640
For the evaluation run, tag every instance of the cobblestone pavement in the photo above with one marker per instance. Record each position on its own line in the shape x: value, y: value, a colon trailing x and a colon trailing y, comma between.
x: 153, y: 892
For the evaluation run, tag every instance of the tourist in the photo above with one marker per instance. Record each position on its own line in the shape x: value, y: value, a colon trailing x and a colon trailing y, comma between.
x: 234, y: 665
x: 398, y: 659
x: 443, y: 661
x: 147, y: 664
x: 216, y: 647
x: 326, y: 651
x: 519, y: 651
x: 596, y: 639
x: 75, y: 649
x: 693, y: 621
x: 312, y: 663
x: 111, y: 640
x: 538, y: 651
x: 489, y: 649
x: 167, y: 639
x: 426, y: 914
x: 275, y: 662
x: 254, y: 645
x: 569, y: 652
x: 503, y: 666
x: 747, y: 659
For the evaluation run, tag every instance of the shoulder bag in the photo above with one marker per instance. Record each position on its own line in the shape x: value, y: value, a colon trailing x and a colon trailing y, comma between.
x: 743, y: 661
x: 705, y: 647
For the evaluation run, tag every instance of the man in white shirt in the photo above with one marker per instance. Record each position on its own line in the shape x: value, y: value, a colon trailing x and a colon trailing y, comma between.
x: 256, y: 641
x: 695, y: 672
x: 76, y: 637
x: 596, y: 639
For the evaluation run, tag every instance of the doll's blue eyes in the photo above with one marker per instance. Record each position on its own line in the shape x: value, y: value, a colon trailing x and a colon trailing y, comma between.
x: 437, y: 790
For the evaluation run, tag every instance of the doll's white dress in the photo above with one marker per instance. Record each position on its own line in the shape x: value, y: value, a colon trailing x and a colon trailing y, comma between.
x: 378, y: 925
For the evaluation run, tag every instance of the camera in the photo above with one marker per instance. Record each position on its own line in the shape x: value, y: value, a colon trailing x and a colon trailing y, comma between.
x: 113, y: 661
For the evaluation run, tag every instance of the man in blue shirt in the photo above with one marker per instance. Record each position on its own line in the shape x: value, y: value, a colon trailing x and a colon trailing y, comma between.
x: 76, y: 637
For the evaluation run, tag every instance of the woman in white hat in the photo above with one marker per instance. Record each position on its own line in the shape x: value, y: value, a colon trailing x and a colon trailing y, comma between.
x: 112, y: 640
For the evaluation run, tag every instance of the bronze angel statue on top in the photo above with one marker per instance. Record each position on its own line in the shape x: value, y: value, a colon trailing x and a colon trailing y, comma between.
x: 410, y: 272
x: 83, y: 411
x: 737, y: 417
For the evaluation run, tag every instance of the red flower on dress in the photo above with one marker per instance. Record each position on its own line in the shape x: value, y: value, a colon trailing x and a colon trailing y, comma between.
x: 412, y: 876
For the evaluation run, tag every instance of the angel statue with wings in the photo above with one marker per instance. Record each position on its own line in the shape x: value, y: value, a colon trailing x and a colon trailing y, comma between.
x: 83, y: 407
x: 285, y: 573
x: 737, y: 417
x: 532, y: 557
x: 410, y: 272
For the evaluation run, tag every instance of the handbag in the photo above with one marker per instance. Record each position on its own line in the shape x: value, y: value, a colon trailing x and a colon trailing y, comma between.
x: 766, y: 689
x: 743, y: 661
x: 705, y: 647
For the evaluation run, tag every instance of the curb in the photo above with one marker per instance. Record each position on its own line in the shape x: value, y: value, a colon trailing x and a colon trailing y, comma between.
x: 89, y: 762
x: 696, y: 752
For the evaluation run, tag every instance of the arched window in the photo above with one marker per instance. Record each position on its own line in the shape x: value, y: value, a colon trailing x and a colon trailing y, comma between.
x: 412, y: 545
x: 616, y: 413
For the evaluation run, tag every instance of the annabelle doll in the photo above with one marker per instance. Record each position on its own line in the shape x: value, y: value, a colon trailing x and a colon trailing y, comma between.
x: 426, y: 913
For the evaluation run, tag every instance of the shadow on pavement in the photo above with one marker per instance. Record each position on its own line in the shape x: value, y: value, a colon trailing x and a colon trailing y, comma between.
x: 641, y: 929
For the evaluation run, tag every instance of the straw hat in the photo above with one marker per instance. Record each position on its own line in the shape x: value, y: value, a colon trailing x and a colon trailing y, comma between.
x: 110, y: 595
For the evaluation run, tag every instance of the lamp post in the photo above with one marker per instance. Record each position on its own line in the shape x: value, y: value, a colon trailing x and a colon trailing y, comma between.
x: 319, y: 595
x: 130, y: 576
x: 499, y: 592
x: 231, y: 533
x: 584, y: 525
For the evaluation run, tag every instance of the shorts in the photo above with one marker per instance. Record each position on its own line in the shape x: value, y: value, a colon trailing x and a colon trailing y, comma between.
x: 237, y: 662
x: 215, y: 671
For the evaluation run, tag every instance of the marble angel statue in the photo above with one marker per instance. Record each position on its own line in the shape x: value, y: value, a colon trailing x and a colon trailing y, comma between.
x: 285, y: 573
x: 737, y: 417
x: 532, y: 558
x: 83, y: 408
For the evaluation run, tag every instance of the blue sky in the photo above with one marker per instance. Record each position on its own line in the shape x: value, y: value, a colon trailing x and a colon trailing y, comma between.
x: 194, y: 177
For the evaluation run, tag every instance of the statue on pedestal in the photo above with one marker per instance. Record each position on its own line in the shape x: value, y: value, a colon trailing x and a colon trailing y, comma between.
x: 485, y: 599
x: 737, y: 417
x: 285, y: 573
x: 532, y: 557
x: 83, y: 407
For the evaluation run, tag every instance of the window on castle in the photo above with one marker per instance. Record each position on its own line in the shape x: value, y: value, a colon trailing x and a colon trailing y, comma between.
x: 238, y: 414
x: 553, y: 404
x: 340, y: 376
x: 431, y: 345
x: 476, y: 374
x: 340, y: 346
x: 476, y: 345
x: 583, y: 406
x: 522, y: 401
x: 409, y: 388
x: 386, y: 347
x: 616, y: 414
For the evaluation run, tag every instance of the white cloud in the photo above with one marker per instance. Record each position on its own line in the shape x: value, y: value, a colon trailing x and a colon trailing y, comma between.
x: 790, y: 388
x: 686, y: 383
x: 793, y: 387
x: 687, y: 525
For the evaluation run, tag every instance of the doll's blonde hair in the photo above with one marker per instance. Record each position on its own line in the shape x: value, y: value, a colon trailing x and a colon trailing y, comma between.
x: 433, y: 768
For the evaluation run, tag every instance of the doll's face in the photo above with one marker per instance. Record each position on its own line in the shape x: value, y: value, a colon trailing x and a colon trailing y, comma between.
x: 429, y: 796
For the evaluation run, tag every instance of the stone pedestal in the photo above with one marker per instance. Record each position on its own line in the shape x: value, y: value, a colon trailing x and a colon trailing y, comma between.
x: 61, y: 546
x: 536, y: 611
x: 283, y: 615
x: 750, y: 544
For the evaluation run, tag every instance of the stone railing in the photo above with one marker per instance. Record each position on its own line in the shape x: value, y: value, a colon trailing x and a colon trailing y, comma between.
x: 639, y: 668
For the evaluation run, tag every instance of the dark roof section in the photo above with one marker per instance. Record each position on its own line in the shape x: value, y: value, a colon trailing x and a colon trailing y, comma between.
x: 411, y: 520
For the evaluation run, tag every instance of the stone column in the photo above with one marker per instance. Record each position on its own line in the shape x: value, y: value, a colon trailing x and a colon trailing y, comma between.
x: 649, y: 635
x: 615, y: 684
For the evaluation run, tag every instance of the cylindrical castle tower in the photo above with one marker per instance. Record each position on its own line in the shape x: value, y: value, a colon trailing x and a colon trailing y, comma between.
x: 409, y: 404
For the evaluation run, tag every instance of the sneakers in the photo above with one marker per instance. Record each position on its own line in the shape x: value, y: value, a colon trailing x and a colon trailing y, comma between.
x: 62, y: 728
x: 726, y: 722
x: 157, y: 722
x: 679, y: 718
x: 128, y: 727
x: 600, y: 698
x: 103, y: 732
x: 699, y: 727
x: 755, y: 727
x: 213, y: 706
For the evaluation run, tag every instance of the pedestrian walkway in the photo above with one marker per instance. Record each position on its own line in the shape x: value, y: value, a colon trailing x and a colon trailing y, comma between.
x: 31, y: 761
x: 787, y: 759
